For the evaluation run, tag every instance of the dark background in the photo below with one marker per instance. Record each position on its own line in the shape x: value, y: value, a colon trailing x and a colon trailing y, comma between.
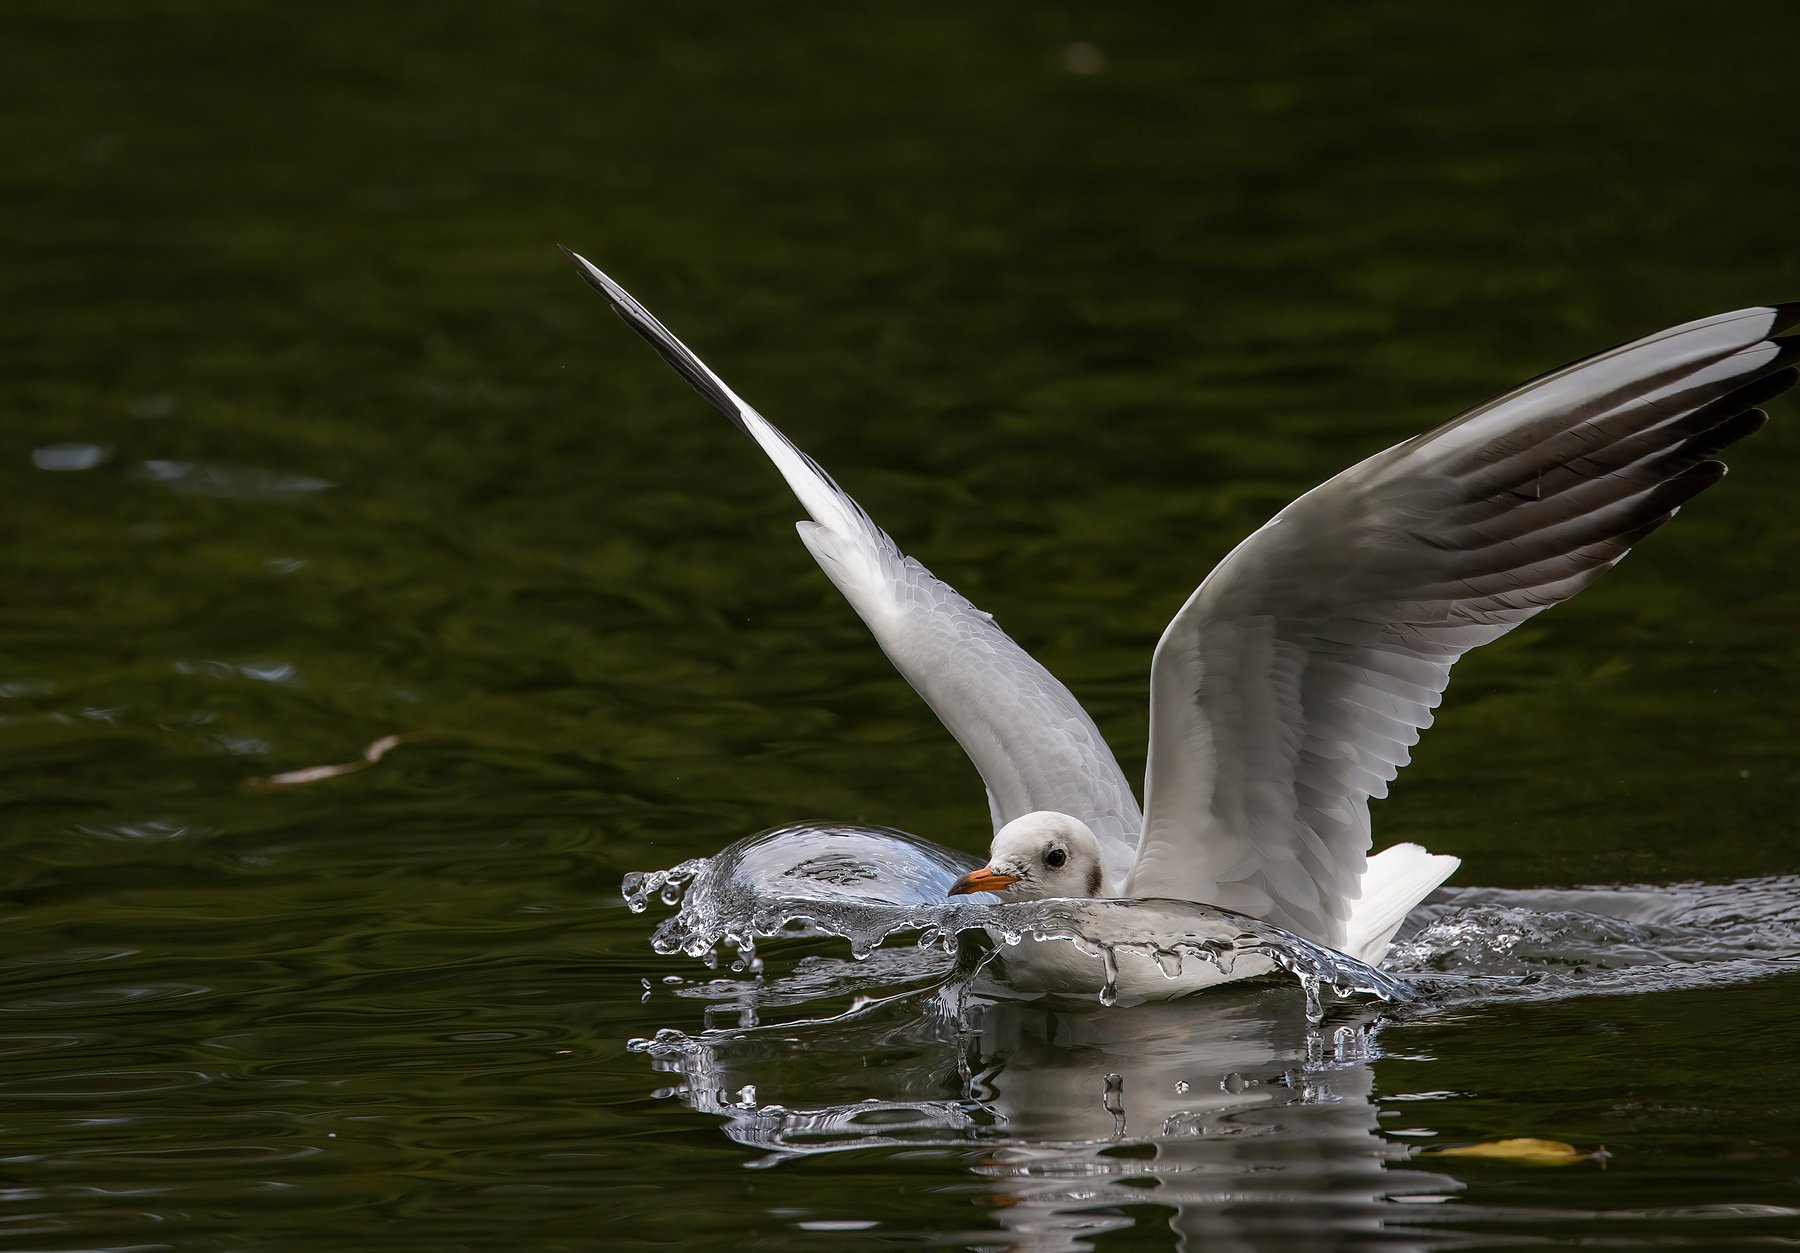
x: 312, y: 436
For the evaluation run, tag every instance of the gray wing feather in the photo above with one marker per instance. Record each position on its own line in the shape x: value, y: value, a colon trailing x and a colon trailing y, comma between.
x: 1034, y: 745
x: 1290, y: 688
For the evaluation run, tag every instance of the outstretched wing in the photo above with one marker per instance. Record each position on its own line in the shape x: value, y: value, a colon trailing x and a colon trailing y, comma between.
x: 1034, y: 745
x: 1290, y: 687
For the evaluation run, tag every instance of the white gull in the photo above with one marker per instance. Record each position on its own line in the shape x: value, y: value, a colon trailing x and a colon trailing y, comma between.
x: 1289, y: 689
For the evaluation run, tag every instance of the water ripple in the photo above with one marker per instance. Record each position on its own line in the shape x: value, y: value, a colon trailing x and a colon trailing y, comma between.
x: 246, y: 483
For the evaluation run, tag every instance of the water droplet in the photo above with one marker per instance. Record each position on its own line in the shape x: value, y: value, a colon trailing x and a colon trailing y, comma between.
x: 1315, y: 1009
x: 1109, y: 990
x: 1181, y: 1087
x: 634, y: 892
x: 1114, y: 1100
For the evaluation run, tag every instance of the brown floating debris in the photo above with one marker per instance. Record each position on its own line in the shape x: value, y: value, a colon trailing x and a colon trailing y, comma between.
x: 312, y: 774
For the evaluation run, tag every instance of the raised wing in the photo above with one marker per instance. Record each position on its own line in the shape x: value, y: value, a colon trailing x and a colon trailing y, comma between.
x: 1290, y: 687
x: 1034, y: 745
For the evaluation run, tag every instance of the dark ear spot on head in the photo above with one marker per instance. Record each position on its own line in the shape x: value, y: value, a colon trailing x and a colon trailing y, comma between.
x: 1094, y: 881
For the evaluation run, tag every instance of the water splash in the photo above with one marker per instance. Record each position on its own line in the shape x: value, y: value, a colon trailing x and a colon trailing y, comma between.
x: 869, y: 886
x: 1036, y: 1091
x: 1481, y: 943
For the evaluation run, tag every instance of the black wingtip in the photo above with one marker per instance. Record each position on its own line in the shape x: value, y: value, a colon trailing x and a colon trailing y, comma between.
x: 589, y: 273
x: 680, y: 358
x: 1728, y: 432
x: 1787, y: 317
x: 1673, y: 493
x: 1787, y: 352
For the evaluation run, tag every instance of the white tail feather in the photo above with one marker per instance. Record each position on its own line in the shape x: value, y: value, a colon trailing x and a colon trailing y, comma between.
x: 1396, y: 880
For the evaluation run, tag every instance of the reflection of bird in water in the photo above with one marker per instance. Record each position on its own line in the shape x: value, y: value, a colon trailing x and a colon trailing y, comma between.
x: 1248, y: 1130
x: 1291, y: 686
x: 1241, y: 1123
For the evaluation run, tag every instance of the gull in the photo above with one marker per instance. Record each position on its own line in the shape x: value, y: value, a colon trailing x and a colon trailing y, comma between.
x: 1293, y: 683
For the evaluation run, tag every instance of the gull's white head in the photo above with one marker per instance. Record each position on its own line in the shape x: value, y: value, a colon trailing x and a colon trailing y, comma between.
x: 1039, y: 855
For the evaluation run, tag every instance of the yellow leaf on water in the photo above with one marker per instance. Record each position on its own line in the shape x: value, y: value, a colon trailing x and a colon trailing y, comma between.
x: 1526, y: 1151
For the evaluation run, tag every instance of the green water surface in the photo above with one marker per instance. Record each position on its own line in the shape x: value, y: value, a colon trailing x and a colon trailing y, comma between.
x: 311, y: 437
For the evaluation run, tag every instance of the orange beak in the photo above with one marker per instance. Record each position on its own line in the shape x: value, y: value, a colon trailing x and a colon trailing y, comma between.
x: 987, y: 879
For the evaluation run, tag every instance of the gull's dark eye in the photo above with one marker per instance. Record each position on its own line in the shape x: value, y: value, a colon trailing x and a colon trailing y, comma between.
x: 1055, y: 858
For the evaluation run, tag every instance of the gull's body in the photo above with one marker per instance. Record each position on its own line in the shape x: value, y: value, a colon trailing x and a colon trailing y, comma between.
x: 1290, y: 687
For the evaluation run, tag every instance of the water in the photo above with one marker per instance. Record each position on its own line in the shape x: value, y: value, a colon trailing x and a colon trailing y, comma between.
x: 868, y: 886
x: 1068, y: 1141
x: 314, y: 439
